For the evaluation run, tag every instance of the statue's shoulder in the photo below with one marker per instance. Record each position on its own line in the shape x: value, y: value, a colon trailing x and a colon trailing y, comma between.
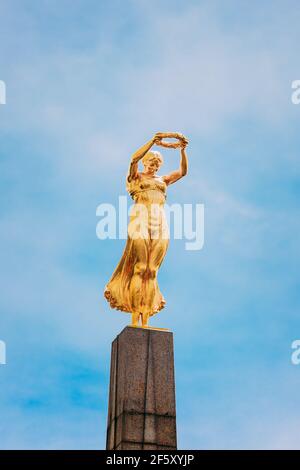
x: 131, y: 180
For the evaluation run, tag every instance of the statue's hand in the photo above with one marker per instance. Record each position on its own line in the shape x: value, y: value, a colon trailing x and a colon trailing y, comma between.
x: 157, y: 137
x: 184, y: 143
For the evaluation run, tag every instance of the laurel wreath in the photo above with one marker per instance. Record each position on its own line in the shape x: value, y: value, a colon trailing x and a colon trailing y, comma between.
x: 171, y: 145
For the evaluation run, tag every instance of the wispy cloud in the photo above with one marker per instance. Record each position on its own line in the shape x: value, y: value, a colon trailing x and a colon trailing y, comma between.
x: 87, y: 84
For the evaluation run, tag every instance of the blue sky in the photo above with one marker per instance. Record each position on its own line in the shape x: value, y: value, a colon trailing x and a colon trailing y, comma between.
x: 87, y: 83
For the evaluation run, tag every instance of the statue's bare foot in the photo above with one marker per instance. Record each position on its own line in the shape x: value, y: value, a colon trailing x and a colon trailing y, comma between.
x: 135, y: 320
x: 145, y: 319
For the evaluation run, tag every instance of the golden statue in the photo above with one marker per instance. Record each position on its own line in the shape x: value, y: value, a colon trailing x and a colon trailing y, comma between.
x: 133, y: 286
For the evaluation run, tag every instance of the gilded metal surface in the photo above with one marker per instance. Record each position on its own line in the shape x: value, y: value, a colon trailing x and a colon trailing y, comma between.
x: 133, y: 287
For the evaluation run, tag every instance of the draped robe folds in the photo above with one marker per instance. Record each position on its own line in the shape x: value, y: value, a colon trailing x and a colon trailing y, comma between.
x: 147, y: 225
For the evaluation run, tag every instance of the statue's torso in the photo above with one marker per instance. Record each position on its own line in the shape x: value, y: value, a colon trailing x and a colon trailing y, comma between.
x: 147, y: 190
x: 150, y: 194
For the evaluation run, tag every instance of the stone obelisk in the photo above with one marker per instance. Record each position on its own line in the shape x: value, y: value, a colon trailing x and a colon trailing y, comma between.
x: 141, y: 410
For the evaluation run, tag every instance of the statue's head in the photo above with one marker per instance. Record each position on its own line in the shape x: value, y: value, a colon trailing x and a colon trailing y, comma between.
x: 152, y: 161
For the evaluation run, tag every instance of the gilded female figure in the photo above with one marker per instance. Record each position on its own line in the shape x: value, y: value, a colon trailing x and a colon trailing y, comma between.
x: 133, y: 286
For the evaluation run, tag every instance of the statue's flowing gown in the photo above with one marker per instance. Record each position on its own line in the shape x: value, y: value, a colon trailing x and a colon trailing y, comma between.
x: 147, y: 225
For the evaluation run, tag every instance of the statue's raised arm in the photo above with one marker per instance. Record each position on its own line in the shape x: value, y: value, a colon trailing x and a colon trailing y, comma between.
x: 183, y: 167
x: 139, y: 154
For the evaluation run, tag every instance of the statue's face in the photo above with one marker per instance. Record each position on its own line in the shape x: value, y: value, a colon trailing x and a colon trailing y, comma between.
x: 152, y: 165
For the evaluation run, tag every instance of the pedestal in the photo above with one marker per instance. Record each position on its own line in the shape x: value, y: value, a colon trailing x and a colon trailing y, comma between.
x: 141, y: 410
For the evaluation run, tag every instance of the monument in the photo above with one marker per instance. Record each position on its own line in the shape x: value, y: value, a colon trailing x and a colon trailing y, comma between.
x: 142, y: 411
